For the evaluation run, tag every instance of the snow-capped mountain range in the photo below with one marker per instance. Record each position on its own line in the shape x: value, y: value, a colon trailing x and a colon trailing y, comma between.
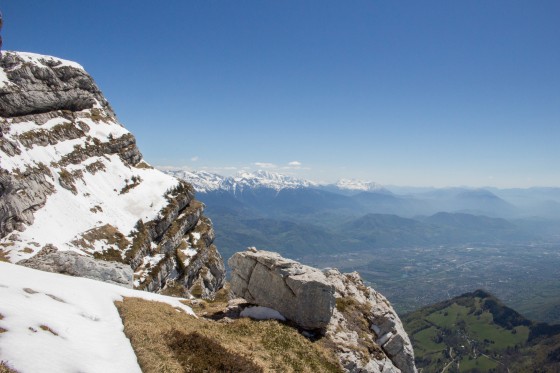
x: 204, y: 182
x: 358, y: 185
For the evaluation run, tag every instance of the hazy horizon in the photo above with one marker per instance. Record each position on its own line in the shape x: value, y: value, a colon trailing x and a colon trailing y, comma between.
x: 429, y: 94
x: 231, y: 171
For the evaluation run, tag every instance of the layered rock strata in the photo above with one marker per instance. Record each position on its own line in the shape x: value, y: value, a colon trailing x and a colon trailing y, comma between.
x: 73, y: 179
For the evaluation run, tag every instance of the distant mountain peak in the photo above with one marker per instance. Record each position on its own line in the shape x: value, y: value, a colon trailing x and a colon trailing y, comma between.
x: 205, y: 182
x: 358, y: 185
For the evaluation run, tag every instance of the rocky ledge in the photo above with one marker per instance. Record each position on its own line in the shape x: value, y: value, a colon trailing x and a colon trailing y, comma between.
x: 364, y: 329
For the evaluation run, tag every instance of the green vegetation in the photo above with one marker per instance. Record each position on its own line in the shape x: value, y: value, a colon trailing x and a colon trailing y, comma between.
x: 475, y: 332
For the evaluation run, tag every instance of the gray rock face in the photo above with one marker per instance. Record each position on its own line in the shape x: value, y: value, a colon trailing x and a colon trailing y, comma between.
x: 49, y: 259
x: 300, y: 293
x: 364, y: 317
x: 40, y: 89
x: 21, y: 194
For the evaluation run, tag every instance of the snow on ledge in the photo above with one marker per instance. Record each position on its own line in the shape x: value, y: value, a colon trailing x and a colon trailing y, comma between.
x: 58, y: 323
x: 36, y: 59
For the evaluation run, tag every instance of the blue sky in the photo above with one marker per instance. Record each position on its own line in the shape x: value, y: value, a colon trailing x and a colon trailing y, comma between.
x: 430, y: 93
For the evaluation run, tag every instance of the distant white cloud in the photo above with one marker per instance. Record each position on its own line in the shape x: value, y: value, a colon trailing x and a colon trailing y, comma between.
x: 295, y: 165
x: 265, y: 165
x: 194, y: 159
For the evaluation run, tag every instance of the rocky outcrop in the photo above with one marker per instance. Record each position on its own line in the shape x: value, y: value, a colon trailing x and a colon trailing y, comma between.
x: 362, y: 328
x: 21, y: 194
x: 367, y: 331
x: 300, y: 293
x: 49, y: 259
x: 72, y: 176
x: 41, y: 84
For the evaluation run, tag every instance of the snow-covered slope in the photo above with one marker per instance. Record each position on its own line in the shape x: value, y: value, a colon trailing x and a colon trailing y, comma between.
x: 72, y: 177
x: 56, y: 323
x: 205, y: 182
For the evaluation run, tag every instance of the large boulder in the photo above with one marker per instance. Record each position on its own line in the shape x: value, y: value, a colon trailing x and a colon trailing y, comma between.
x: 300, y: 293
x: 49, y: 259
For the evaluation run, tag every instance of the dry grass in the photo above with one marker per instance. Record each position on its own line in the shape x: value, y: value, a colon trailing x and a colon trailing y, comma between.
x: 4, y: 368
x: 144, y: 165
x: 111, y: 236
x: 4, y: 256
x: 158, y: 332
x: 2, y: 330
x: 196, y: 350
x: 48, y: 329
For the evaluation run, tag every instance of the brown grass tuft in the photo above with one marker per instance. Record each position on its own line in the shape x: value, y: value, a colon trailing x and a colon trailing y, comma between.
x: 4, y: 256
x: 4, y: 368
x: 111, y: 236
x: 157, y: 331
x: 144, y: 165
x: 48, y: 329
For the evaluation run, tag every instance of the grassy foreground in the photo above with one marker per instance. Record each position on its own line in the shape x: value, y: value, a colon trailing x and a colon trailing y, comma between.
x: 166, y: 340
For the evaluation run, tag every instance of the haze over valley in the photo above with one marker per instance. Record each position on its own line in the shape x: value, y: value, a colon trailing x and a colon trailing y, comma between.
x: 419, y: 245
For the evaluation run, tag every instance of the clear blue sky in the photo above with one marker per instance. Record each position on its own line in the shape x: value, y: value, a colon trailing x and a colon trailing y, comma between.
x: 438, y: 93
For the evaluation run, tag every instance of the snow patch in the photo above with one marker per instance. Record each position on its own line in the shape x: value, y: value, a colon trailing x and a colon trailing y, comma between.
x: 39, y: 60
x: 262, y: 313
x: 58, y: 323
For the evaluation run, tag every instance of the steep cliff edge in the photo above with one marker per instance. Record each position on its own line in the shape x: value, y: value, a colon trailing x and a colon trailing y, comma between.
x: 73, y: 180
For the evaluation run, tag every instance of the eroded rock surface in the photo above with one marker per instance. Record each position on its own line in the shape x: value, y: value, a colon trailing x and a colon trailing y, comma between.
x: 50, y: 85
x: 300, y: 293
x: 368, y: 332
x: 49, y: 259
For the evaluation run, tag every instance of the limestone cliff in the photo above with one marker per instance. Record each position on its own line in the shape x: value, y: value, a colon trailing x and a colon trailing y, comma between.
x: 73, y: 180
